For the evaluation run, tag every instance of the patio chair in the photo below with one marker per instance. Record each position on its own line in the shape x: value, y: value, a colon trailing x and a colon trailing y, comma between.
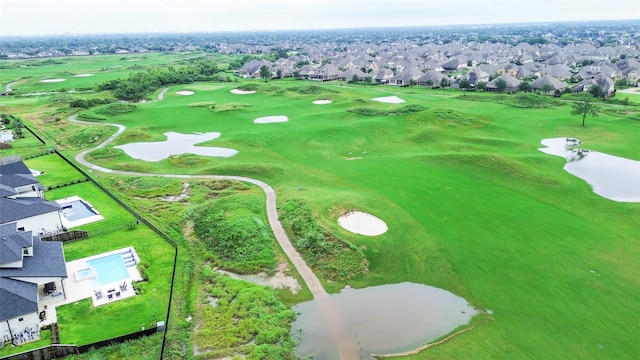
x: 123, y: 286
x: 98, y: 294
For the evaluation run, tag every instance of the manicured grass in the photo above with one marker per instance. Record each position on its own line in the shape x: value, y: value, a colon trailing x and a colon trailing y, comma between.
x: 56, y: 171
x: 471, y: 204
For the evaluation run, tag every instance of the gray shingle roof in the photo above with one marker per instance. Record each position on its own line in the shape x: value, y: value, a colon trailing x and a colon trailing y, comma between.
x: 17, y: 298
x: 47, y: 261
x: 12, y: 242
x: 22, y: 208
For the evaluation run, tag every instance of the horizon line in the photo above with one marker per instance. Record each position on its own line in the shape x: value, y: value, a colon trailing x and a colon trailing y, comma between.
x: 363, y: 27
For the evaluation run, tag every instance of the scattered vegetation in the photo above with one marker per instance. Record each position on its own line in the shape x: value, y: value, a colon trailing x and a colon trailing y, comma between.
x: 311, y: 90
x: 238, y: 318
x: 233, y: 230
x: 330, y: 257
x: 371, y: 111
x: 517, y: 100
x: 228, y: 106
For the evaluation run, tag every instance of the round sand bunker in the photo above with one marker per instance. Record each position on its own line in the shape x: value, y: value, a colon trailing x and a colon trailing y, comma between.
x: 359, y: 222
x: 52, y: 80
x: 185, y: 92
x: 322, y: 102
x: 83, y: 75
x: 271, y: 119
x: 242, y: 92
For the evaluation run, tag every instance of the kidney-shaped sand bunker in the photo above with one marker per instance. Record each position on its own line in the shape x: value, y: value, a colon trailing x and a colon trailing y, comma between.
x: 362, y: 223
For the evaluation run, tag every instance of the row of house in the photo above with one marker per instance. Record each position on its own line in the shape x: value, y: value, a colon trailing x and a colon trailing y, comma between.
x: 429, y: 64
x: 29, y: 267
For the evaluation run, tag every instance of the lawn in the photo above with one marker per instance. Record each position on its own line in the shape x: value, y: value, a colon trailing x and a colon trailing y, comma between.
x: 472, y: 206
x: 56, y: 171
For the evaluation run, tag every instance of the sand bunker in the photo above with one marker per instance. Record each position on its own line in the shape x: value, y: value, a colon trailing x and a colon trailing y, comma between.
x: 185, y: 92
x: 389, y: 99
x: 242, y: 92
x: 271, y: 119
x: 52, y: 80
x: 83, y: 75
x: 362, y: 223
x: 322, y: 102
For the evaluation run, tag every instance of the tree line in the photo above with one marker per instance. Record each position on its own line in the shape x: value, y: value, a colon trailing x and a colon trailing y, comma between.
x: 138, y: 85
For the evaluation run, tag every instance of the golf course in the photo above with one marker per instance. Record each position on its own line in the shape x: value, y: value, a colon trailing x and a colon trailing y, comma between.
x: 470, y: 203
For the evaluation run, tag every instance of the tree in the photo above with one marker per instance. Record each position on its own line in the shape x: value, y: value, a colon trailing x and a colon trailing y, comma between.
x: 279, y: 73
x: 596, y: 90
x: 368, y: 79
x: 464, y: 84
x: 524, y: 86
x: 584, y: 107
x: 265, y: 73
x: 481, y: 85
x: 545, y: 88
x: 354, y: 78
x: 501, y: 85
x: 296, y: 74
x: 429, y: 82
x: 17, y: 127
x: 444, y: 83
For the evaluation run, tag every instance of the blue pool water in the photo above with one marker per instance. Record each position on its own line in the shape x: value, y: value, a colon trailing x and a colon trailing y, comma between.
x: 109, y: 269
x: 77, y: 210
x: 84, y: 274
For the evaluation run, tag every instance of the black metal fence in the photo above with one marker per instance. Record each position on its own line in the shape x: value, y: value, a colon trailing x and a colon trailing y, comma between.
x: 66, y: 236
x: 143, y: 220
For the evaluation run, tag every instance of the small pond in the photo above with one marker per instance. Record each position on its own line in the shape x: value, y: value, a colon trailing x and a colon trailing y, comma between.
x: 381, y: 319
x: 611, y: 177
x: 176, y: 144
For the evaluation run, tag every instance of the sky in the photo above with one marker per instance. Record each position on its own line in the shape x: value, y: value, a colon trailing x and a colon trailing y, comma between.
x: 56, y: 17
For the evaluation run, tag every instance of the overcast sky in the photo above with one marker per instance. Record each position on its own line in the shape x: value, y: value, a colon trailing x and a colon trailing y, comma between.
x: 34, y: 17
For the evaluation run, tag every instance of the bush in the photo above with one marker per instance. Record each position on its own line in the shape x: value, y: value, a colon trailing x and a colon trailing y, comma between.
x: 331, y: 257
x: 370, y: 111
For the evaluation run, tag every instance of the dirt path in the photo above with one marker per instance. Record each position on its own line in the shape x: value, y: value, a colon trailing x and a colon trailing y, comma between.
x: 331, y: 314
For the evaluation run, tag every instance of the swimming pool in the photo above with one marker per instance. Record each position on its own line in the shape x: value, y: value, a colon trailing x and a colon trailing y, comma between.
x: 76, y: 210
x: 108, y: 269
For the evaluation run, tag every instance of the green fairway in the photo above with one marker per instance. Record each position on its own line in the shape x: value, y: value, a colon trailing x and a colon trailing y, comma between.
x: 471, y: 205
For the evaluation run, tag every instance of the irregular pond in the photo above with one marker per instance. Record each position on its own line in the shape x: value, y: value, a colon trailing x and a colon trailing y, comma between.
x: 611, y: 177
x: 176, y: 144
x: 381, y: 319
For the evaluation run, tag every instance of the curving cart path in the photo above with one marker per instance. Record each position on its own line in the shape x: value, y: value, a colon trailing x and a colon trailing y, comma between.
x: 344, y: 343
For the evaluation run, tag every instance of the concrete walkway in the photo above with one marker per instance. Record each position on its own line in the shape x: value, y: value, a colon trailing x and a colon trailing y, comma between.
x: 344, y: 343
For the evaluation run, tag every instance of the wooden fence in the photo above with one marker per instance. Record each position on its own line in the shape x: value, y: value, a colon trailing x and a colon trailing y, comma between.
x: 67, y: 236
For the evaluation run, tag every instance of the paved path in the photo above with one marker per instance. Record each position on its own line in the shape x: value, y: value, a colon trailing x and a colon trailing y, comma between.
x: 331, y: 314
x: 161, y: 95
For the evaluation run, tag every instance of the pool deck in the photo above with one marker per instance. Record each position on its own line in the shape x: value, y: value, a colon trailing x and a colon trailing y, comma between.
x: 70, y: 290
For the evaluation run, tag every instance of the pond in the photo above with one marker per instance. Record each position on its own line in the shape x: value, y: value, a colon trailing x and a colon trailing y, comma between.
x: 611, y: 177
x: 381, y: 319
x: 176, y: 144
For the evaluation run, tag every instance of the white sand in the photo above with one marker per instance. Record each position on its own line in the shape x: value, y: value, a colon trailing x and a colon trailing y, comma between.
x: 52, y: 80
x: 389, y: 99
x: 362, y: 223
x: 271, y: 119
x: 242, y: 92
x: 322, y: 102
x: 185, y: 92
x: 83, y: 75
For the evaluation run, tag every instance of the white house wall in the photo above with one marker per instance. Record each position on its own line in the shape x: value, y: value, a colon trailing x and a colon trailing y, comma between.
x: 43, y: 223
x: 29, y: 322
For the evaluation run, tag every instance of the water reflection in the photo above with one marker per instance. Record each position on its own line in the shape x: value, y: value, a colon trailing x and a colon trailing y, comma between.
x: 611, y: 177
x: 382, y: 319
